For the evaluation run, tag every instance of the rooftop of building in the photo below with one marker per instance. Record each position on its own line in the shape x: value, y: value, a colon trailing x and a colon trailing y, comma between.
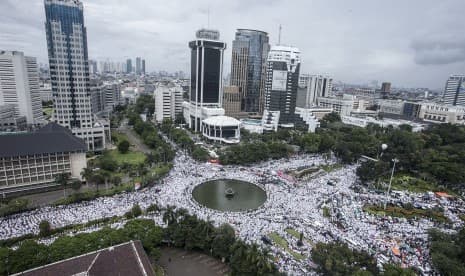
x: 252, y: 30
x: 222, y: 121
x: 51, y: 138
x: 127, y: 259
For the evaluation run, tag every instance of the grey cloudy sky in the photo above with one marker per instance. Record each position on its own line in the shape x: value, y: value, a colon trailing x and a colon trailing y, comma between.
x: 415, y: 43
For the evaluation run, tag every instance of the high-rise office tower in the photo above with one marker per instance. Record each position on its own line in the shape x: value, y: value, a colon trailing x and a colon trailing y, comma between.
x: 249, y: 53
x: 138, y: 65
x: 386, y: 87
x: 128, y: 66
x: 206, y: 77
x: 282, y: 79
x: 315, y: 86
x: 143, y: 67
x: 454, y: 93
x: 19, y: 86
x: 69, y: 71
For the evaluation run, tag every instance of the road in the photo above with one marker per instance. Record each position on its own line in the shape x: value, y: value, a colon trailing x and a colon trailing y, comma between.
x: 133, y: 139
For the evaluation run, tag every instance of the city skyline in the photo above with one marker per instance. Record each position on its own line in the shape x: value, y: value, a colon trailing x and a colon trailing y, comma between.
x: 355, y: 42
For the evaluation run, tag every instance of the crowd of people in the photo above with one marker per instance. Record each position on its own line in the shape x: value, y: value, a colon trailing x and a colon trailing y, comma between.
x: 293, y: 205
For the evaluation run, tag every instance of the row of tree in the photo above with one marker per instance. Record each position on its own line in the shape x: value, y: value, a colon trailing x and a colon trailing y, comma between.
x: 184, y: 231
x: 255, y: 151
x: 339, y: 259
x: 184, y: 141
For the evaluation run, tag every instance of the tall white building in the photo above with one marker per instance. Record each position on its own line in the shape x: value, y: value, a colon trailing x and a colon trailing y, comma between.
x: 19, y: 85
x: 69, y: 71
x: 454, y: 93
x: 168, y: 102
x: 316, y: 86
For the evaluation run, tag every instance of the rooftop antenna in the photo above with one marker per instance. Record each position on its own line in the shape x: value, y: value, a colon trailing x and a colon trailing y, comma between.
x: 279, y: 37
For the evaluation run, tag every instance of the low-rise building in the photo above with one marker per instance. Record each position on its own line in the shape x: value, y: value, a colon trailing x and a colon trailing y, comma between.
x: 9, y: 121
x: 440, y: 113
x: 222, y: 129
x: 32, y: 160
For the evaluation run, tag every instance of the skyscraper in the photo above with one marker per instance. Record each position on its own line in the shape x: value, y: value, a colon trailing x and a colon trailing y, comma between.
x: 138, y: 65
x: 249, y: 53
x: 128, y: 66
x: 206, y: 95
x: 282, y: 79
x: 454, y: 93
x: 19, y: 86
x: 143, y: 67
x: 69, y: 71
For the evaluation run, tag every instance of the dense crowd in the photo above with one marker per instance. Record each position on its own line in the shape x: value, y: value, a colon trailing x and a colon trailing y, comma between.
x: 292, y: 203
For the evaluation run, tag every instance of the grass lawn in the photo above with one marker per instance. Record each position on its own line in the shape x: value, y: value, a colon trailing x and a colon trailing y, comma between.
x: 330, y: 168
x: 296, y: 235
x: 131, y: 157
x: 281, y: 242
x: 395, y: 211
x: 416, y: 185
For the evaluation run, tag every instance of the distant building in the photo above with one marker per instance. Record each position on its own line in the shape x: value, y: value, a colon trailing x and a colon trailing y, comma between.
x: 31, y: 160
x: 232, y: 101
x: 69, y: 71
x: 46, y: 92
x: 386, y: 87
x: 129, y: 66
x: 143, y: 67
x: 412, y: 110
x: 138, y: 65
x: 364, y: 122
x: 454, y: 93
x: 392, y: 107
x: 342, y: 105
x: 249, y: 54
x: 440, y: 113
x: 105, y: 97
x: 206, y: 89
x: 313, y: 86
x: 168, y: 102
x: 127, y: 259
x: 282, y: 77
x: 19, y: 86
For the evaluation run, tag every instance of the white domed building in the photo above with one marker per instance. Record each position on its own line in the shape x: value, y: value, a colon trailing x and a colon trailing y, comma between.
x: 222, y: 128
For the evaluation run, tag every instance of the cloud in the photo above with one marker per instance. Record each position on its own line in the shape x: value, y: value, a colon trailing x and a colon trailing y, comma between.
x: 440, y: 50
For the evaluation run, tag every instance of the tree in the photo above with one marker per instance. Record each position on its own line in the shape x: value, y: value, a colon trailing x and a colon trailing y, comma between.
x: 123, y: 146
x: 44, y: 228
x: 62, y: 179
x: 76, y: 185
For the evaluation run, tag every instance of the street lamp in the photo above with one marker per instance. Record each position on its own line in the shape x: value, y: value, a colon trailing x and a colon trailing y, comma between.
x: 395, y: 160
x: 383, y: 148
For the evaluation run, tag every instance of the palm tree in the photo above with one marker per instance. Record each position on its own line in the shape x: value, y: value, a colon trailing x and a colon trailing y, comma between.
x: 169, y: 217
x: 106, y: 175
x: 62, y: 179
x: 86, y: 173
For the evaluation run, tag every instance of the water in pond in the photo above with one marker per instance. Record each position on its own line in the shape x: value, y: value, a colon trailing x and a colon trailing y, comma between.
x: 229, y: 195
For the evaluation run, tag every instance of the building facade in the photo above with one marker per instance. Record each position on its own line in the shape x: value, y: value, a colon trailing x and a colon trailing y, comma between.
x: 168, y: 102
x: 29, y: 160
x: 282, y: 79
x: 19, y: 86
x: 249, y: 54
x: 206, y: 89
x: 128, y: 66
x: 138, y: 65
x: 440, y: 113
x: 69, y: 71
x: 454, y: 93
x: 232, y: 101
x: 315, y: 86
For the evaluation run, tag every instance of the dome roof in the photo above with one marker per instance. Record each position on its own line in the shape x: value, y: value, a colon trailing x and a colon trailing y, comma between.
x: 222, y: 121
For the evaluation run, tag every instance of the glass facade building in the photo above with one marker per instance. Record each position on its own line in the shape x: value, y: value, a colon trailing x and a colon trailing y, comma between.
x: 206, y: 69
x: 249, y: 53
x: 69, y: 71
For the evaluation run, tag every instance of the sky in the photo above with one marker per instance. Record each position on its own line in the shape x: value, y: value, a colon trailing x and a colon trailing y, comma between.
x: 411, y: 43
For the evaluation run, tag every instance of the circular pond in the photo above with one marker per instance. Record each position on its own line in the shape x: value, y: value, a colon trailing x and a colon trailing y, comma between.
x: 229, y: 195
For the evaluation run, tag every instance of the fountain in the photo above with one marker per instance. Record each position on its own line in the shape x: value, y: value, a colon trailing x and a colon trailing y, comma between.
x: 229, y: 193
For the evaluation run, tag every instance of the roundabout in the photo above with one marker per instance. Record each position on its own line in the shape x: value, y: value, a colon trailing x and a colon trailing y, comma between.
x: 229, y: 195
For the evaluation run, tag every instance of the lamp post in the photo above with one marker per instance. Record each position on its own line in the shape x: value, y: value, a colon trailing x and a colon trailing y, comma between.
x: 395, y: 160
